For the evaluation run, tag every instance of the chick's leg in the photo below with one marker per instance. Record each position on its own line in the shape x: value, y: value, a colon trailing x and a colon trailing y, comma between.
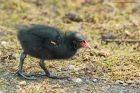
x: 47, y: 73
x: 20, y: 68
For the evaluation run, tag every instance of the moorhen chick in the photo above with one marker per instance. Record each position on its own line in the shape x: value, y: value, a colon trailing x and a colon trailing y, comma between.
x: 45, y: 42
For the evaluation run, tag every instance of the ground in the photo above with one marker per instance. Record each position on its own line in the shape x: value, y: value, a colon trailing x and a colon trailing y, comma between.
x: 112, y: 67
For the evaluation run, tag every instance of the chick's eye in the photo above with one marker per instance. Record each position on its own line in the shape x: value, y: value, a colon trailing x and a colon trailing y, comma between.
x: 83, y: 41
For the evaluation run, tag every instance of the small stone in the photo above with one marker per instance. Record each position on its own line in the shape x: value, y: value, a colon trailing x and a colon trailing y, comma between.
x: 71, y: 67
x: 3, y: 42
x: 119, y: 82
x: 78, y: 80
x: 94, y: 80
x: 125, y: 84
x: 22, y: 83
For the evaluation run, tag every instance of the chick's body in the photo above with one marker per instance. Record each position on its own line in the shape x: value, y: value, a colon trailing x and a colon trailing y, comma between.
x: 45, y: 42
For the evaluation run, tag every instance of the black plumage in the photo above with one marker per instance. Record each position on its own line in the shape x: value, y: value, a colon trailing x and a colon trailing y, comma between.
x: 45, y: 42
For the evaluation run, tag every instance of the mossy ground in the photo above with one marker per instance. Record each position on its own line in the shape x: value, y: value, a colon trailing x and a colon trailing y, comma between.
x: 111, y: 61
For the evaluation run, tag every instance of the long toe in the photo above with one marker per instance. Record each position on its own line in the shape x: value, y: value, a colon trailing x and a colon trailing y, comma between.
x: 26, y: 77
x: 37, y: 75
x: 58, y: 77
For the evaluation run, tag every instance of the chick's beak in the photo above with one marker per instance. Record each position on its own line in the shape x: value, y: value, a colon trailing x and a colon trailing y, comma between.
x: 85, y: 44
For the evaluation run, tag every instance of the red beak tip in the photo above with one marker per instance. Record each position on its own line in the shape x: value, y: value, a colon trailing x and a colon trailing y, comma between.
x: 85, y: 44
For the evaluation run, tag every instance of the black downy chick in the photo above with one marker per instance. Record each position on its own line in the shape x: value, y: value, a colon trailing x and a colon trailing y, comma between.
x: 45, y: 42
